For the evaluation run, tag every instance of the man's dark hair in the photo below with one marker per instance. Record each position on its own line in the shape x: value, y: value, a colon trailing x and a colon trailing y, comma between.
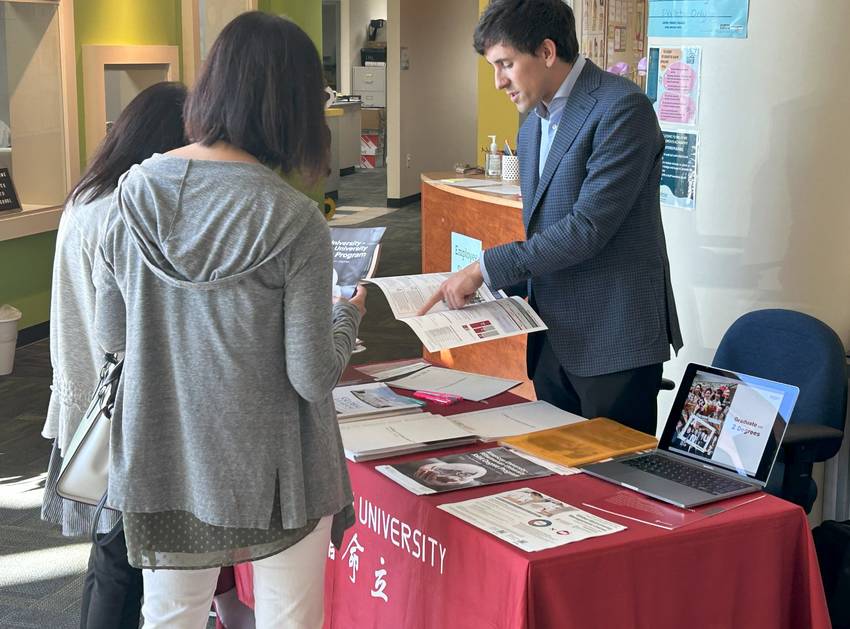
x: 524, y: 24
x: 261, y: 90
x: 151, y: 123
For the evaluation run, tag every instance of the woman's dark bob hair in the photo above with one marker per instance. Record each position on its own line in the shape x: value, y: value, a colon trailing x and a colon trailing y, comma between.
x: 260, y: 90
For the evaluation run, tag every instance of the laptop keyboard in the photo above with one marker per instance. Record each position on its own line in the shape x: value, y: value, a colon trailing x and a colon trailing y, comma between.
x: 687, y: 475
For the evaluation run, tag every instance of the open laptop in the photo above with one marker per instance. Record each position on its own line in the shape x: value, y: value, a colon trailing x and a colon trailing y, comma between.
x: 720, y: 440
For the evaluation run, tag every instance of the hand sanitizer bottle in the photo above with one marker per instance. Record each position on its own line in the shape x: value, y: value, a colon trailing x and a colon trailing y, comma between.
x: 494, y: 159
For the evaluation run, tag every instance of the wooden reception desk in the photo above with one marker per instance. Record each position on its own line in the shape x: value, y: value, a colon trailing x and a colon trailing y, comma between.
x: 493, y: 219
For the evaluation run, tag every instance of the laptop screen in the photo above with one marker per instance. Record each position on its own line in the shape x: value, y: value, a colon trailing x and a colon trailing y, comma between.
x: 729, y: 419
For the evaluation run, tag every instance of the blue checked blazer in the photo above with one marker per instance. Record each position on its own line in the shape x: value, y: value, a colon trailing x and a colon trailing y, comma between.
x: 595, y: 261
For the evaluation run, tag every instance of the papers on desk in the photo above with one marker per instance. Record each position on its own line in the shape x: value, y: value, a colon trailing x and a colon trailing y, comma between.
x: 383, y: 372
x: 513, y: 420
x: 505, y: 188
x: 369, y: 439
x: 487, y: 317
x: 469, y: 386
x: 371, y: 399
x: 530, y: 520
x: 458, y: 471
x: 581, y: 443
x: 466, y: 182
x: 390, y: 436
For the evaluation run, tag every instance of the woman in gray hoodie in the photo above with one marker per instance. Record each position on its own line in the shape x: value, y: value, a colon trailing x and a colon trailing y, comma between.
x: 150, y: 123
x: 214, y: 277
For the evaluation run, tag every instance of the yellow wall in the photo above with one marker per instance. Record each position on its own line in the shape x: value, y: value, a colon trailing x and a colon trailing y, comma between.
x: 306, y: 13
x: 496, y: 113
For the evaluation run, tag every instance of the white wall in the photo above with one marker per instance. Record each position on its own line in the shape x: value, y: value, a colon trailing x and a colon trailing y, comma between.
x: 772, y: 222
x: 431, y: 107
x: 354, y: 19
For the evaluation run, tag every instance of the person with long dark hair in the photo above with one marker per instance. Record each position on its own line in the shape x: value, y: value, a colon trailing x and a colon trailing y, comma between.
x: 151, y: 123
x: 225, y: 444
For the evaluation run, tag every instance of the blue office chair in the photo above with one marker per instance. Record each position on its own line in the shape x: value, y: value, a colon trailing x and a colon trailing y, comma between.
x: 794, y: 348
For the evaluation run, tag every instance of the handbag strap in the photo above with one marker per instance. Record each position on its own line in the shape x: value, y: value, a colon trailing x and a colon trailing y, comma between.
x: 113, y: 532
x: 109, y: 375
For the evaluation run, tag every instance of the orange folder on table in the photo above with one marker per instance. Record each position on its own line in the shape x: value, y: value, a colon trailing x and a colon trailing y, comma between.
x: 583, y: 442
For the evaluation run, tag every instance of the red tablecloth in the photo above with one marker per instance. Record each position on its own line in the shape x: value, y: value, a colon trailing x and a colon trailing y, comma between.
x: 415, y: 566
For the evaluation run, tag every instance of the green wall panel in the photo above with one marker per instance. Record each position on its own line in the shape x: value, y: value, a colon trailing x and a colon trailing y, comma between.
x: 26, y: 268
x: 306, y: 13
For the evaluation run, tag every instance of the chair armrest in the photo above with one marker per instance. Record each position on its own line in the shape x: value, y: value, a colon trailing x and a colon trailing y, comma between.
x: 811, y: 442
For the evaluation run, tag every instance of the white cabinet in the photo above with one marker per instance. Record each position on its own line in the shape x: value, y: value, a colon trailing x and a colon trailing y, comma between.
x: 370, y: 83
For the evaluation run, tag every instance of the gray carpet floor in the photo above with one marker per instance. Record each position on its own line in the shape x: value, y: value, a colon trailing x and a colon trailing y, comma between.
x: 40, y: 571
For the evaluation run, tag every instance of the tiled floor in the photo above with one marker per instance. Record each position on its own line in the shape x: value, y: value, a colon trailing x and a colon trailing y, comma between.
x: 40, y: 571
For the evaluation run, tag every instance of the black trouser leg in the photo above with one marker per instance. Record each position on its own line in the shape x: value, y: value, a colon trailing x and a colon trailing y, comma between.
x: 551, y: 383
x: 629, y: 397
x: 112, y: 591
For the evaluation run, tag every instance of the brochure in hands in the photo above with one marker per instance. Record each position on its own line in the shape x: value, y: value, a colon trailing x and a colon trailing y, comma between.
x: 488, y: 315
x: 355, y: 252
x: 435, y: 475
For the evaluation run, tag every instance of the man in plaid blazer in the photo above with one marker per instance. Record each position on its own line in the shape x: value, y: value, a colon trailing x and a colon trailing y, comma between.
x: 594, y: 265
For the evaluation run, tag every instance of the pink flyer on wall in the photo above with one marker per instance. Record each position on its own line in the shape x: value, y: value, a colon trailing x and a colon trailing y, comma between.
x: 673, y: 83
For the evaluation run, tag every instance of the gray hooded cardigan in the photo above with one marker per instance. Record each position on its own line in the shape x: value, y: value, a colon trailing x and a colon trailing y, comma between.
x: 215, y: 279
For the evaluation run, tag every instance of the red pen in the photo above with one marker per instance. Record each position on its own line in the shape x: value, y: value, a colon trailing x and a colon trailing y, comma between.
x: 443, y: 399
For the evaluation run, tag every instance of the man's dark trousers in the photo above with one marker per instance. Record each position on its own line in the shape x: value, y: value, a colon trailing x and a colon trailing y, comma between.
x: 629, y: 397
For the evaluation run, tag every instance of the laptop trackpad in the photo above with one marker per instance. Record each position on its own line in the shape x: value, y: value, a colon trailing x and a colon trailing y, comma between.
x: 649, y: 484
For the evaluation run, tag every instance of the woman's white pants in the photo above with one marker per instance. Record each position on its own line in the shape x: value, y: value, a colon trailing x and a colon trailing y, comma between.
x: 288, y: 589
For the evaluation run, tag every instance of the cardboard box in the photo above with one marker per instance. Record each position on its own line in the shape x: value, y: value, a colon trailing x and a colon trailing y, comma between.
x: 371, y: 119
x: 370, y: 144
x: 372, y: 161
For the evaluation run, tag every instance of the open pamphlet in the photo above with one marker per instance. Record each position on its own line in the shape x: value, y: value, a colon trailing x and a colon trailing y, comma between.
x: 469, y: 386
x: 355, y: 256
x: 372, y: 399
x: 487, y: 316
x: 368, y: 439
x: 639, y: 508
x: 458, y: 471
x: 583, y: 442
x: 530, y: 520
x: 516, y: 419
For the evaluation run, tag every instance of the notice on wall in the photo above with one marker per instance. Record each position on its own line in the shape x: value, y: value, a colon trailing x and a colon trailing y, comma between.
x: 679, y: 169
x: 698, y: 18
x: 673, y: 83
x: 613, y: 35
x: 8, y: 197
x: 593, y: 31
x: 465, y: 251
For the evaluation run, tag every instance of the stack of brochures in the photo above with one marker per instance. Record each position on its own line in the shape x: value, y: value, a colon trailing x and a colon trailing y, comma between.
x: 370, y: 439
x: 371, y: 400
x: 581, y: 443
x: 392, y: 435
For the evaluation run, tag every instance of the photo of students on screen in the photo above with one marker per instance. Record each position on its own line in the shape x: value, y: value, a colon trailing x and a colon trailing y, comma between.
x: 703, y: 415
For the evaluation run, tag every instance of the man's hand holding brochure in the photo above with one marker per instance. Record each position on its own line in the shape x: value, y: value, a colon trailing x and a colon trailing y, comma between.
x: 487, y: 315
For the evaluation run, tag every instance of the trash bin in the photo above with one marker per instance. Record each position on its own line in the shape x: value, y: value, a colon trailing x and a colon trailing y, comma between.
x: 9, y: 316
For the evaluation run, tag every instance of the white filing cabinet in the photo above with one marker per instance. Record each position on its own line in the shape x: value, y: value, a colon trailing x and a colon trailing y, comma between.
x: 370, y: 83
